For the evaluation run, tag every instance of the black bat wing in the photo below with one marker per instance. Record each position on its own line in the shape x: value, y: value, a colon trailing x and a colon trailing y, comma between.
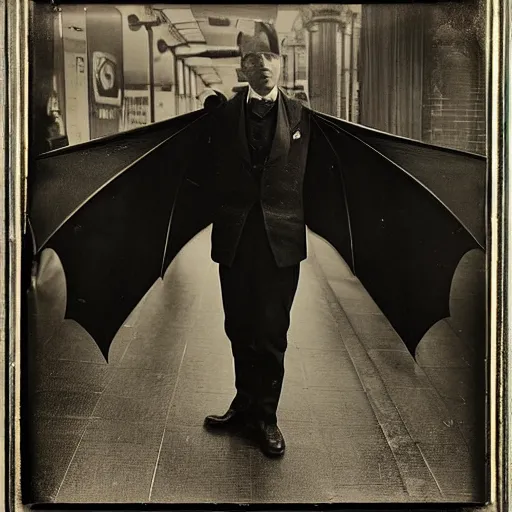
x: 194, y: 204
x: 105, y: 208
x: 375, y: 198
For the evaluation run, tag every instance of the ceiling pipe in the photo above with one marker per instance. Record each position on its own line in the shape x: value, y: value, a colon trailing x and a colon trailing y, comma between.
x: 199, y: 50
x: 215, y: 54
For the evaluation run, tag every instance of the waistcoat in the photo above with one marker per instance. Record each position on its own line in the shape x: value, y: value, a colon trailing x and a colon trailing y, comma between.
x: 260, y: 134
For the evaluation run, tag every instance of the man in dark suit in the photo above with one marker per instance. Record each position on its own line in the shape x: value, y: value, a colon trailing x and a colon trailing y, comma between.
x: 259, y: 236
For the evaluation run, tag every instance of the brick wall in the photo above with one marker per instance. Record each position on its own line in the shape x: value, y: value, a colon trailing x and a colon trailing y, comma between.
x: 454, y: 97
x: 456, y: 122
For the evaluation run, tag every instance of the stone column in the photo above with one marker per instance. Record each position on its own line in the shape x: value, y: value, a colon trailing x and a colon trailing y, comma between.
x: 193, y: 90
x: 322, y: 22
x: 180, y: 87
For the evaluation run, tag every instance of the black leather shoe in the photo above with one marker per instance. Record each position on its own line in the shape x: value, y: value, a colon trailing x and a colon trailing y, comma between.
x: 271, y: 439
x: 232, y: 418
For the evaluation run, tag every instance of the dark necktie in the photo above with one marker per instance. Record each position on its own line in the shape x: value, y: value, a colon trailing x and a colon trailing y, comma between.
x: 260, y: 107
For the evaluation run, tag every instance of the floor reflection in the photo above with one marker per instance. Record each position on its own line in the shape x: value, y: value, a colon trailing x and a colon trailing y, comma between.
x: 363, y: 421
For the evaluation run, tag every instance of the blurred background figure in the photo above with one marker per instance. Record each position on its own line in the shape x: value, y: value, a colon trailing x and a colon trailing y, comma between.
x: 302, y: 97
x: 211, y: 99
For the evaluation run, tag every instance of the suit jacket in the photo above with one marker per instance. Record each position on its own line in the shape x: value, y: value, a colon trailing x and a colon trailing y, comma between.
x: 279, y: 193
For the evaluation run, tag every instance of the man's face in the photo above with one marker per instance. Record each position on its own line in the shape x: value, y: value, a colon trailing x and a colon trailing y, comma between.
x: 262, y: 71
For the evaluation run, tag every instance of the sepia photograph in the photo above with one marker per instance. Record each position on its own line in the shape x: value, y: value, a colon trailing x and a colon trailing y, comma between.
x: 257, y: 253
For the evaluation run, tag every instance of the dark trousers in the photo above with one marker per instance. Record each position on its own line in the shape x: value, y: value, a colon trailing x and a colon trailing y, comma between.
x: 257, y: 296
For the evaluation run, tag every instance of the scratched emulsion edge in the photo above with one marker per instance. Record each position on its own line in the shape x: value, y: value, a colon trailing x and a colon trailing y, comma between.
x: 15, y: 39
x: 498, y: 196
x: 507, y: 143
x: 3, y: 293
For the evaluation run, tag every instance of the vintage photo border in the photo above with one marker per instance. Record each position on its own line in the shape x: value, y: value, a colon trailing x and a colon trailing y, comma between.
x: 14, y: 20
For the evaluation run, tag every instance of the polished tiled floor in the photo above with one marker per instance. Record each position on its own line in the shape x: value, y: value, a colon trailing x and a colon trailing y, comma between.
x: 364, y: 422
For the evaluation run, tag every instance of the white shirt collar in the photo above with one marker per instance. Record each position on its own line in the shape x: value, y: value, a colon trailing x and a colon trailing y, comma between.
x: 272, y: 95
